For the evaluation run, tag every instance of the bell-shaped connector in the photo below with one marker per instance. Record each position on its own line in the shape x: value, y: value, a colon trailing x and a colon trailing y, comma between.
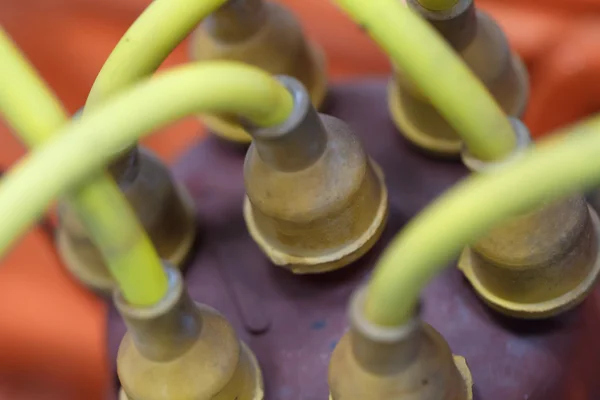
x: 164, y: 208
x: 408, y: 362
x: 177, y: 349
x: 315, y: 201
x: 484, y: 48
x: 265, y: 35
x: 537, y: 264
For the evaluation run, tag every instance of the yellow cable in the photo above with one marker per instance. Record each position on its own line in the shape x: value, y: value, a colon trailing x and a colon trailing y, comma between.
x: 557, y: 167
x: 122, y: 241
x: 35, y: 114
x: 28, y: 104
x: 85, y: 145
x: 438, y: 5
x: 151, y: 38
x: 440, y: 74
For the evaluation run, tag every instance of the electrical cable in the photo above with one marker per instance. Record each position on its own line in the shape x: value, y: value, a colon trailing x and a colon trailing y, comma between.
x: 35, y: 114
x: 85, y: 145
x: 438, y: 5
x: 148, y: 42
x: 413, y: 258
x: 555, y: 168
x: 428, y: 61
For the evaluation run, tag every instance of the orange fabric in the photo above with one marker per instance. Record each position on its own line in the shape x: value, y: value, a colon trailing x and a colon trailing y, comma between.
x: 51, y: 330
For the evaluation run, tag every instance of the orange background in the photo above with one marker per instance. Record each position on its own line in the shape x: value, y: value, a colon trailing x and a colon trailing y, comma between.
x: 51, y: 330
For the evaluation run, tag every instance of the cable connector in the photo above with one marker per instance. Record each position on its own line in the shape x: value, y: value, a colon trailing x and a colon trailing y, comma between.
x: 379, y: 363
x: 315, y: 201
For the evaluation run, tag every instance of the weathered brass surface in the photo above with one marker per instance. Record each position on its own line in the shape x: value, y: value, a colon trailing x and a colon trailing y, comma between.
x: 263, y: 34
x: 315, y: 200
x: 411, y: 362
x: 163, y: 207
x: 484, y: 48
x: 538, y: 264
x: 179, y: 350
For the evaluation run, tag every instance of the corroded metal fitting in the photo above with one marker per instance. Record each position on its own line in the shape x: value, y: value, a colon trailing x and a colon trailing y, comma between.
x: 484, y: 48
x: 177, y: 349
x: 315, y: 201
x: 522, y: 143
x: 163, y: 207
x: 458, y: 24
x: 537, y: 264
x: 265, y: 35
x: 380, y: 363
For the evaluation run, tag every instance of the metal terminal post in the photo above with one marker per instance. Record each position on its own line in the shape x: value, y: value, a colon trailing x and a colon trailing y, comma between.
x: 523, y: 141
x: 315, y: 200
x: 537, y: 264
x: 299, y: 141
x: 378, y: 362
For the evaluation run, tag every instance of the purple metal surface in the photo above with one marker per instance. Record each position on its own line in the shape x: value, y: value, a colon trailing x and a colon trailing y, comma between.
x: 293, y: 322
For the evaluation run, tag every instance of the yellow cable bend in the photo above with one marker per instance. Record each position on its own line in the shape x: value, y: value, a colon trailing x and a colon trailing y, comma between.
x: 440, y: 74
x: 557, y: 167
x: 35, y: 114
x: 86, y: 145
x: 147, y: 43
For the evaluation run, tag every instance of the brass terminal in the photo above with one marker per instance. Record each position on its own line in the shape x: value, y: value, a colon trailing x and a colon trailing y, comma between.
x: 164, y: 208
x: 265, y: 35
x: 537, y: 264
x: 484, y: 48
x: 411, y: 362
x: 178, y: 349
x: 315, y: 201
